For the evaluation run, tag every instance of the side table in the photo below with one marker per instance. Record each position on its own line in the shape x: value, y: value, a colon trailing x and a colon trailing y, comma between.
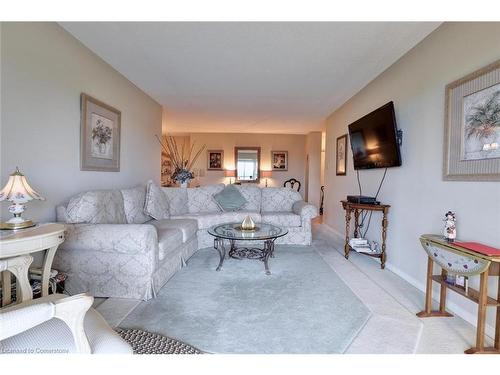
x: 461, y: 261
x: 43, y: 237
x: 357, y: 209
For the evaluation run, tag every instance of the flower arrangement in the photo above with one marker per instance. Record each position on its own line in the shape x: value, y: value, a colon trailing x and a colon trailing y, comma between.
x: 182, y: 160
x: 101, y: 133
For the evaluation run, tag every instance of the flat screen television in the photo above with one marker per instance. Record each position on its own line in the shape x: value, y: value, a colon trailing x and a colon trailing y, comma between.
x: 374, y: 141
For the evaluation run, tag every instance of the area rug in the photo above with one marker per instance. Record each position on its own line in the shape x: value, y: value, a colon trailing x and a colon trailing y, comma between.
x: 302, y: 307
x: 143, y: 342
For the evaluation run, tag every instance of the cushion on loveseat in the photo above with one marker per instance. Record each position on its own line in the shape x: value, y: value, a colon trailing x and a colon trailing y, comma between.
x: 133, y: 202
x: 169, y: 240
x: 253, y: 196
x: 229, y: 199
x: 279, y: 199
x: 96, y: 207
x: 282, y: 219
x: 201, y: 199
x: 177, y: 200
x: 156, y: 204
x: 188, y: 227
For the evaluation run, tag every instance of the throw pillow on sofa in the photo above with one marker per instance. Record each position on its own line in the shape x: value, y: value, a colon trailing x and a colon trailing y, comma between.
x: 177, y: 200
x: 156, y: 204
x: 97, y: 207
x: 133, y: 201
x: 230, y: 199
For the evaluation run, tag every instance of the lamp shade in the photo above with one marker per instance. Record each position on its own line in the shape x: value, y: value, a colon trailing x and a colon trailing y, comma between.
x: 266, y: 174
x: 17, y: 189
x: 230, y: 173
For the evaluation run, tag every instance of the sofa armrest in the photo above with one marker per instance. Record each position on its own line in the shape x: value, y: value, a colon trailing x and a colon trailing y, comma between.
x: 111, y: 238
x: 305, y: 210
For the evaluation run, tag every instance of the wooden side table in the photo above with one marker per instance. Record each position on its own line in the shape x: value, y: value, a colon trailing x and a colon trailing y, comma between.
x: 460, y: 261
x: 357, y: 208
x: 44, y: 237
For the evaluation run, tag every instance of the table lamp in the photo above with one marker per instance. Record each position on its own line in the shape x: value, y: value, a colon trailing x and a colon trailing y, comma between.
x: 230, y: 173
x: 266, y: 175
x: 18, y: 191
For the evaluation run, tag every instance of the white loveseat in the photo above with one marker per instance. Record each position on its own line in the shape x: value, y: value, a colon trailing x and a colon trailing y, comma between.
x: 112, y: 249
x: 276, y: 205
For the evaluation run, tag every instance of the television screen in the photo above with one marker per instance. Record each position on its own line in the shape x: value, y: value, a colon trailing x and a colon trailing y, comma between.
x: 374, y: 142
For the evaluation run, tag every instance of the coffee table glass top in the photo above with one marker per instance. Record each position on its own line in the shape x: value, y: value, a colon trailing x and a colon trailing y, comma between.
x: 232, y: 231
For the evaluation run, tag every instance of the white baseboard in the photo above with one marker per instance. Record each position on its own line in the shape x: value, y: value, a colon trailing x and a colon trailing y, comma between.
x: 466, y: 315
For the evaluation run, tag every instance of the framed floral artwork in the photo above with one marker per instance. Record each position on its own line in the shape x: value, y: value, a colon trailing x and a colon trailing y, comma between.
x: 279, y: 160
x: 472, y: 126
x: 100, y: 136
x: 215, y: 160
x: 341, y: 159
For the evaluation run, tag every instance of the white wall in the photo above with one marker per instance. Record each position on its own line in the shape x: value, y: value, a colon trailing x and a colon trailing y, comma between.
x: 294, y: 144
x: 43, y: 72
x: 418, y: 195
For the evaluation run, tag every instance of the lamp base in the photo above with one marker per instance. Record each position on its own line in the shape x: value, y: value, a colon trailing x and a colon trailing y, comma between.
x: 17, y: 225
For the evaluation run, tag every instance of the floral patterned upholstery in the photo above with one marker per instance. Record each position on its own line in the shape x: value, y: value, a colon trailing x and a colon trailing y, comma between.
x: 297, y: 236
x: 201, y: 199
x: 177, y: 200
x: 97, y: 207
x: 109, y: 260
x: 116, y: 260
x: 156, y: 204
x: 133, y: 202
x: 305, y: 210
x: 253, y: 196
x: 168, y: 241
x: 279, y: 199
x: 282, y: 219
x: 206, y: 220
x: 136, y: 260
x: 187, y: 227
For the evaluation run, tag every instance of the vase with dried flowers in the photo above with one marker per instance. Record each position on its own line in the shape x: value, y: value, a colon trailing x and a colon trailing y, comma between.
x: 182, y: 159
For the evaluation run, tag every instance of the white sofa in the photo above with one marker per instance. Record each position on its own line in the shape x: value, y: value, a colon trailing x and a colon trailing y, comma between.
x: 112, y: 249
x: 276, y: 205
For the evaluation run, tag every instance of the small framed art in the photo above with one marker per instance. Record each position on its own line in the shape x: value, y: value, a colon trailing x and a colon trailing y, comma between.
x: 215, y: 160
x: 279, y: 160
x: 99, y: 136
x: 341, y: 159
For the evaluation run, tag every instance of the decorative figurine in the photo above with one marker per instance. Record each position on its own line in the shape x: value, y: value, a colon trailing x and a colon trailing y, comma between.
x: 450, y: 229
x: 248, y: 224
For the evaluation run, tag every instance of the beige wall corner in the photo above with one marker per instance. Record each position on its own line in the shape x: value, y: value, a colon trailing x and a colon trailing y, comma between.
x: 43, y: 72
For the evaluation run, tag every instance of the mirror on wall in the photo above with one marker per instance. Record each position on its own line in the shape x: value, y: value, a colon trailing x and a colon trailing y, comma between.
x: 247, y: 160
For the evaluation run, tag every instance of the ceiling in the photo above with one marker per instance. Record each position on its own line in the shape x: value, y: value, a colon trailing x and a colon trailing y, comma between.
x: 252, y: 77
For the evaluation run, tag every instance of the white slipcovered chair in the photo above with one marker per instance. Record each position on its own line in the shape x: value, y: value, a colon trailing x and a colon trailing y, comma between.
x: 57, y: 324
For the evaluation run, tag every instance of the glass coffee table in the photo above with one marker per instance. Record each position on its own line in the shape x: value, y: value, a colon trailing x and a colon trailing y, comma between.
x: 232, y: 232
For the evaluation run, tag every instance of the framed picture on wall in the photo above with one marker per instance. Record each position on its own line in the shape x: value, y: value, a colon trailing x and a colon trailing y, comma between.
x: 99, y: 136
x: 472, y: 126
x: 215, y: 160
x: 341, y: 156
x: 279, y: 160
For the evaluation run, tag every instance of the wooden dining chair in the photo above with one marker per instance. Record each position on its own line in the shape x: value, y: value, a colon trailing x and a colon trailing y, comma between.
x: 292, y: 183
